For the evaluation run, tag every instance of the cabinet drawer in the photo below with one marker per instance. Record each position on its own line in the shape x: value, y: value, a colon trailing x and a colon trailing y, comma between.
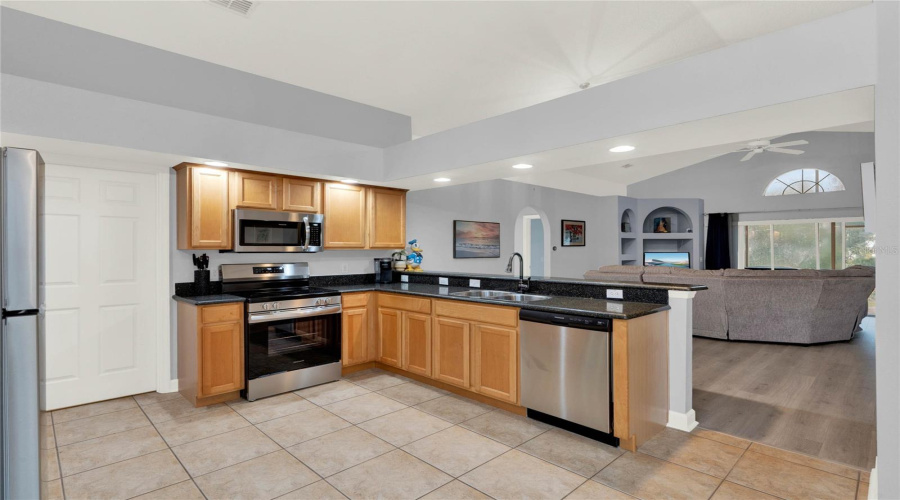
x: 221, y: 313
x: 354, y: 300
x: 412, y: 304
x: 498, y: 315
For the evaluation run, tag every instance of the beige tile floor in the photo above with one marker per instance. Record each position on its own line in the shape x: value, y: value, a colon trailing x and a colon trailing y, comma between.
x: 378, y: 435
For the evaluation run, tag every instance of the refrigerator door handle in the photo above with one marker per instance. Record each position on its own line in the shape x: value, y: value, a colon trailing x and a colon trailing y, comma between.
x: 4, y: 258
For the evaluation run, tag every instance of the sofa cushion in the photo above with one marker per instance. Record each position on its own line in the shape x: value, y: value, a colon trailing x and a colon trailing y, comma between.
x: 850, y: 272
x: 621, y: 269
x: 751, y: 273
x: 595, y: 275
x: 680, y: 271
x: 657, y: 270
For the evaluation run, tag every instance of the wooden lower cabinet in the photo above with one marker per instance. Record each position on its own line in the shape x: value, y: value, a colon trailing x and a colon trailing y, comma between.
x: 355, y: 336
x: 416, y: 343
x: 495, y: 362
x: 210, y: 352
x: 221, y: 358
x: 390, y: 335
x: 452, y: 351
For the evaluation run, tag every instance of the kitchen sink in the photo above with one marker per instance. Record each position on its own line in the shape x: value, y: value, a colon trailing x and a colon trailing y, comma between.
x: 500, y: 295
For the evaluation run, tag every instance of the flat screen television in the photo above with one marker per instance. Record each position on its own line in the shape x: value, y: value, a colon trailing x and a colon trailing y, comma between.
x: 668, y: 259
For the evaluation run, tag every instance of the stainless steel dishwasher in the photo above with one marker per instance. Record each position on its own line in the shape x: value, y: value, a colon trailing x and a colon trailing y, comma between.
x: 565, y: 369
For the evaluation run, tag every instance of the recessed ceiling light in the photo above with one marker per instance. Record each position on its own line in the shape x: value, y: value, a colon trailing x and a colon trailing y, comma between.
x: 349, y: 181
x: 522, y: 166
x: 622, y: 149
x: 442, y: 179
x: 216, y: 163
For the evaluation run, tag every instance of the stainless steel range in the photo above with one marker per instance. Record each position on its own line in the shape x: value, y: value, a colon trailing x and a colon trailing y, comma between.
x: 292, y: 330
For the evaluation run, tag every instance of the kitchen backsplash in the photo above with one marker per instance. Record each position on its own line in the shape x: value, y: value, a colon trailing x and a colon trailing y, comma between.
x: 329, y: 262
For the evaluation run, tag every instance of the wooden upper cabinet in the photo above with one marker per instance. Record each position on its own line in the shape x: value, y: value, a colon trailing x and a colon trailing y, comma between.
x: 203, y: 216
x: 389, y: 337
x: 387, y: 218
x: 495, y: 362
x: 301, y: 195
x: 417, y: 343
x: 345, y: 215
x: 451, y: 350
x: 356, y: 216
x: 252, y: 190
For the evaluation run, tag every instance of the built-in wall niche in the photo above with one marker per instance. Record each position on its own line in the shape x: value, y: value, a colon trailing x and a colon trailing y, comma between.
x: 626, y: 225
x: 680, y: 222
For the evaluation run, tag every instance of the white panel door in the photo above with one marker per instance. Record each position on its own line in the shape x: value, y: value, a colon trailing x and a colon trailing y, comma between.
x: 99, y: 334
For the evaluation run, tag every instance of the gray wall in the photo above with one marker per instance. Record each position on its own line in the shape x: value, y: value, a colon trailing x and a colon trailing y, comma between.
x: 431, y: 212
x: 728, y: 185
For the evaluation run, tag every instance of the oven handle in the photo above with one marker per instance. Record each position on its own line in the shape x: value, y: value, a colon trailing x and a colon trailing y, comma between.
x: 303, y: 312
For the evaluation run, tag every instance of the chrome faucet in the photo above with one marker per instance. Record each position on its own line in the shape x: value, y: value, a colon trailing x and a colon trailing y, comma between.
x: 524, y: 283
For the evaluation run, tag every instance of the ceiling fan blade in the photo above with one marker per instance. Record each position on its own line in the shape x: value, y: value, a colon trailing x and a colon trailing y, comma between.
x: 788, y: 151
x: 789, y: 143
x: 749, y: 155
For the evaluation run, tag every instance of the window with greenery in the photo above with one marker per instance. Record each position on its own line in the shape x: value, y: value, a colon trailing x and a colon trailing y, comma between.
x: 808, y: 245
x: 804, y: 181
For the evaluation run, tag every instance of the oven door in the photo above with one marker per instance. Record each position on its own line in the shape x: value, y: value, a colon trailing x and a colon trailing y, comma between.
x: 271, y: 231
x: 287, y: 340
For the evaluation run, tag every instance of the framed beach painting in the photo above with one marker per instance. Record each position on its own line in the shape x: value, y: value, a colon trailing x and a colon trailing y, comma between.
x: 573, y: 233
x: 476, y: 240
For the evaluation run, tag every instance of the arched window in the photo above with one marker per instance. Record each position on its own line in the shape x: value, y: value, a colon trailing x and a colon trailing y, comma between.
x: 804, y: 181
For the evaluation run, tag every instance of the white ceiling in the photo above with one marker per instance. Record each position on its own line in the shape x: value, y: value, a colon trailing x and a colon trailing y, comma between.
x: 591, y: 168
x: 444, y: 64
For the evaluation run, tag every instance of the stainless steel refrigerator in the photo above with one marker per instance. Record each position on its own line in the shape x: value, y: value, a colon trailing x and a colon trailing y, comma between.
x: 21, y: 299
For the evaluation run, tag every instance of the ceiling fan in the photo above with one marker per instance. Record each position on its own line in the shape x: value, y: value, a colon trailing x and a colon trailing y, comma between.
x: 755, y: 147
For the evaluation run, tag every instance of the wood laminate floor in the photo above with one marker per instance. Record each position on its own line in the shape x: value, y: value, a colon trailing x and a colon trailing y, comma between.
x: 816, y: 400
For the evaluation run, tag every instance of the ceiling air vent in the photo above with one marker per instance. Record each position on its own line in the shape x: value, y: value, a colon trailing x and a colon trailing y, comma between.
x: 242, y: 7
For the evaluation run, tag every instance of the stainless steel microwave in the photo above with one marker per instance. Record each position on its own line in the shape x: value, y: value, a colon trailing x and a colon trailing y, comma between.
x: 273, y: 231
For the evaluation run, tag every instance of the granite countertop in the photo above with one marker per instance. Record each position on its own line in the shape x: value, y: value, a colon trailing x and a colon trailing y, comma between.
x: 203, y: 300
x: 551, y: 279
x: 597, y: 308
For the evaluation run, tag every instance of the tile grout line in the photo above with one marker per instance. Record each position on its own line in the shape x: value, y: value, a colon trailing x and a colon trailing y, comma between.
x: 169, y: 448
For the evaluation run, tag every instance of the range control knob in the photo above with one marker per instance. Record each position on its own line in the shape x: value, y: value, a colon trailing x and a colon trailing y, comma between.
x: 266, y: 306
x: 320, y: 302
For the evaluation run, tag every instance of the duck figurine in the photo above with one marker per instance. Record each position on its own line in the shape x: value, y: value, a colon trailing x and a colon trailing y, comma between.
x: 414, y: 257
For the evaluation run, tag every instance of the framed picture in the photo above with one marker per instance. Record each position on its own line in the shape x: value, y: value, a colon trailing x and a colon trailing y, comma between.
x: 573, y: 233
x: 476, y: 240
x: 662, y: 224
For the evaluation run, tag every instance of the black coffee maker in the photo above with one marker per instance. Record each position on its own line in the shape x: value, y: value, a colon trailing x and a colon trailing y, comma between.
x: 384, y: 273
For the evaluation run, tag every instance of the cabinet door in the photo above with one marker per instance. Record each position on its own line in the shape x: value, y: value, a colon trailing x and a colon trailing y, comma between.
x: 389, y: 337
x: 417, y: 343
x: 496, y: 362
x: 387, y: 218
x: 209, y: 213
x: 451, y: 351
x: 355, y: 335
x: 345, y: 216
x: 221, y: 358
x: 255, y: 190
x: 301, y: 195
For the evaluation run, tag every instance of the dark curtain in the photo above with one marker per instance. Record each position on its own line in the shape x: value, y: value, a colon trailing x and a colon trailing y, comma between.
x: 718, y: 253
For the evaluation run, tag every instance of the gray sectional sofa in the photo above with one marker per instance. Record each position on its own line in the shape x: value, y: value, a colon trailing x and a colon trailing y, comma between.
x: 797, y: 307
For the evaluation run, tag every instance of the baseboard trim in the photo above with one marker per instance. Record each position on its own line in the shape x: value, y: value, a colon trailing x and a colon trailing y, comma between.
x: 682, y: 421
x: 172, y: 387
x: 873, y: 482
